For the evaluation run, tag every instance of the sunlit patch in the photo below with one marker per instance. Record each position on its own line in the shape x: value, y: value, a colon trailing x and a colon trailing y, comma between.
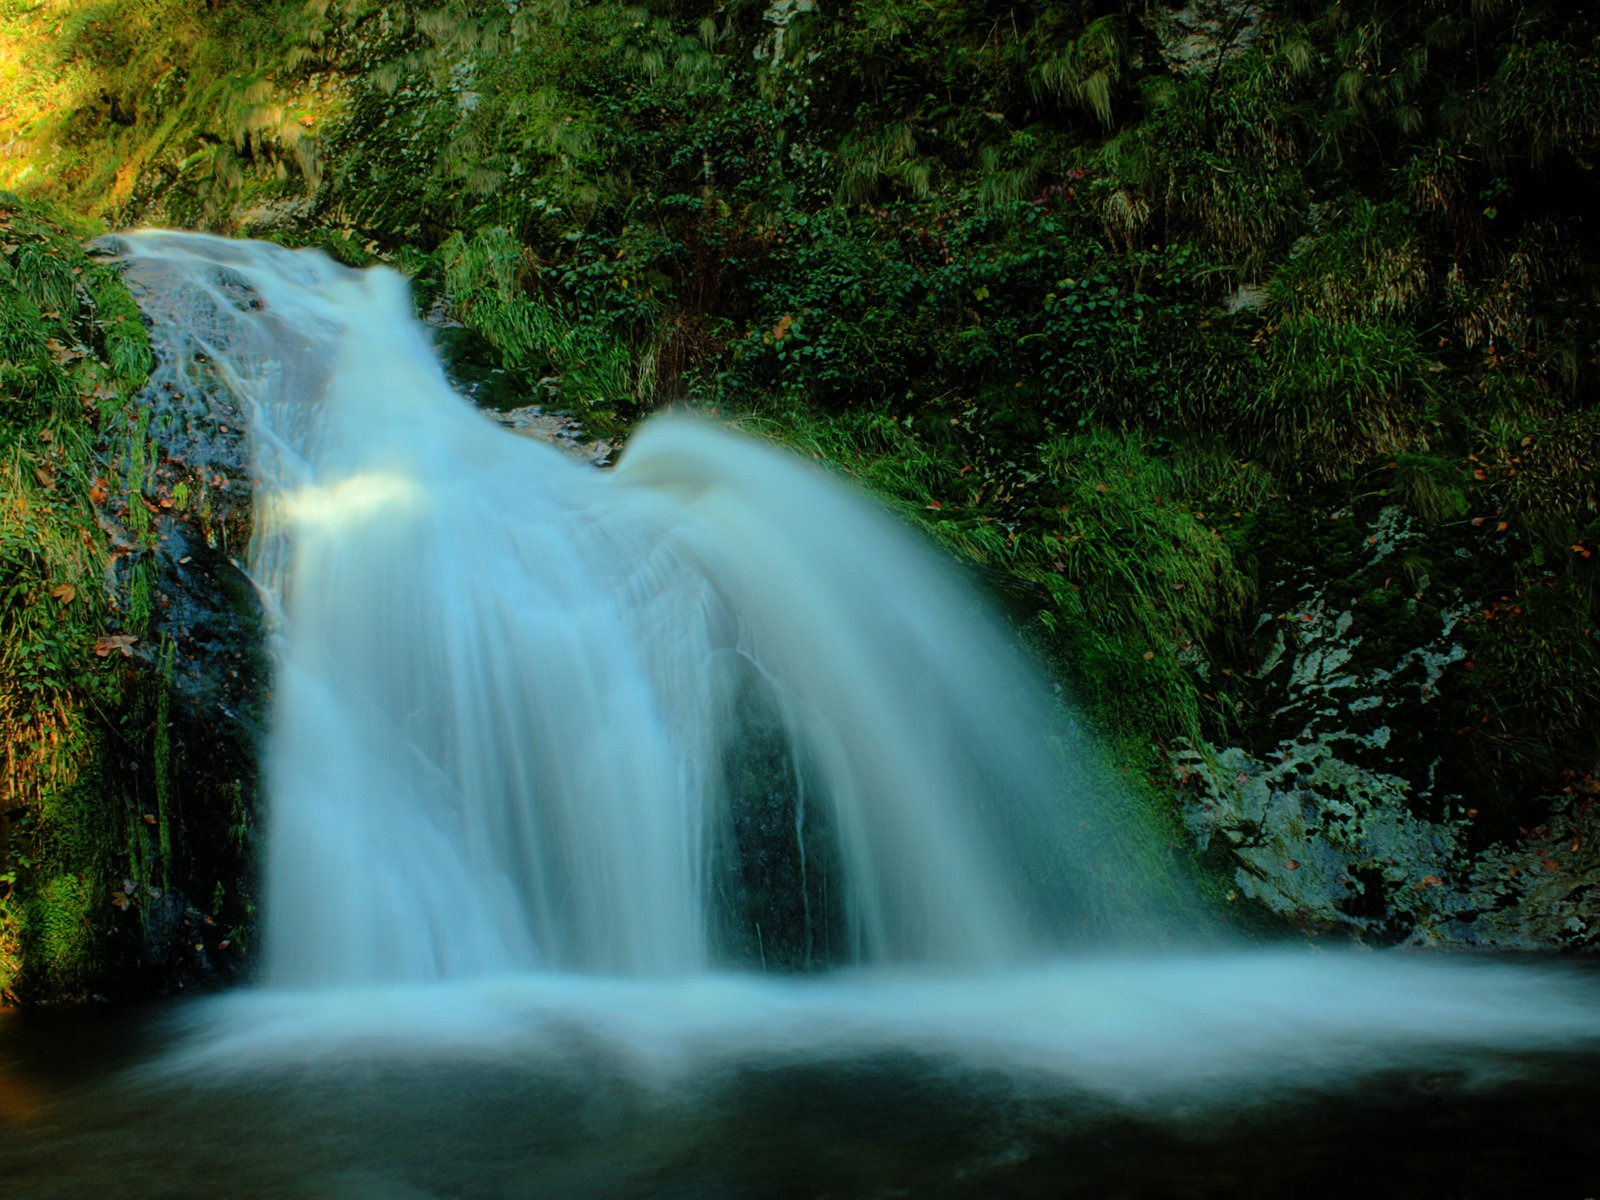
x: 356, y: 498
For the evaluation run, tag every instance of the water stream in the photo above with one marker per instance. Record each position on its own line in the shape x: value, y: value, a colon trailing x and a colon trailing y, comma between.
x: 513, y: 948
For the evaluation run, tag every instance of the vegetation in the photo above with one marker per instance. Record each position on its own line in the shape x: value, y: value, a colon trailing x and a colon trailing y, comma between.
x: 91, y: 811
x: 1152, y: 331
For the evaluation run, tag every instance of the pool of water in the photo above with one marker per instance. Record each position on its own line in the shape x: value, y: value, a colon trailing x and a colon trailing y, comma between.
x: 1121, y: 1080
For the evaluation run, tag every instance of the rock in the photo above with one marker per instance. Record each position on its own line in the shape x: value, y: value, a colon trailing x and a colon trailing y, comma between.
x: 1204, y: 34
x: 1344, y: 824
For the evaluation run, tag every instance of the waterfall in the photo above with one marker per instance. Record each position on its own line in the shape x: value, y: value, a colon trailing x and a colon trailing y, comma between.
x: 508, y: 685
x: 547, y: 741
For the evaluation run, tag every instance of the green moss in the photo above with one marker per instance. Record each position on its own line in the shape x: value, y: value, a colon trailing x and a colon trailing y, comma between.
x: 60, y: 940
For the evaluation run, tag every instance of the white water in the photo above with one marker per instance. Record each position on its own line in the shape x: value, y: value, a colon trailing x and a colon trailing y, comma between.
x: 506, y: 688
x: 503, y: 700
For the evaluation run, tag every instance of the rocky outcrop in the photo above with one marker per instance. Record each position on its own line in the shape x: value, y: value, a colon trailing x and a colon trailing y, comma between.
x: 1204, y: 34
x: 1359, y: 817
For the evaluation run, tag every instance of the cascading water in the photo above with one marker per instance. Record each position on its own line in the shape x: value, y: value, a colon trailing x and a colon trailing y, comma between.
x: 508, y: 684
x: 518, y: 707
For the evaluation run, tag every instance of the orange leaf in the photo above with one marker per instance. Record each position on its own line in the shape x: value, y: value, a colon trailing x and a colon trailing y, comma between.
x: 64, y: 592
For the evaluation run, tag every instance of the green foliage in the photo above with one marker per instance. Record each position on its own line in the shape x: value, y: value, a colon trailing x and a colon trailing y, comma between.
x: 493, y: 285
x: 1338, y: 395
x: 75, y: 345
x: 132, y: 98
x: 1140, y: 580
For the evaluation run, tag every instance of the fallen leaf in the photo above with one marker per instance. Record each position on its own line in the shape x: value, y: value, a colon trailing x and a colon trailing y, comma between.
x: 64, y: 592
x: 115, y: 643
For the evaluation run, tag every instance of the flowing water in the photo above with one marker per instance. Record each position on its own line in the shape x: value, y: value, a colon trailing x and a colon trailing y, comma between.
x: 544, y: 740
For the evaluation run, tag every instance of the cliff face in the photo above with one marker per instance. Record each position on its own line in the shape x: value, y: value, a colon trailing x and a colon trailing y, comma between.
x: 1250, y: 349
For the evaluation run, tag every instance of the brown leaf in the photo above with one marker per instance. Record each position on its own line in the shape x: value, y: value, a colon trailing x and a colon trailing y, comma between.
x: 115, y: 643
x: 64, y: 592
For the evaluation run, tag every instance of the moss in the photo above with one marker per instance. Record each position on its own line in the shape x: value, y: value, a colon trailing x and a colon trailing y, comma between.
x: 59, y: 937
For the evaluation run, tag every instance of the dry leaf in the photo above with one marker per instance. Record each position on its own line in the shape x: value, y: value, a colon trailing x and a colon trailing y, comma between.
x: 115, y: 643
x: 64, y: 593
